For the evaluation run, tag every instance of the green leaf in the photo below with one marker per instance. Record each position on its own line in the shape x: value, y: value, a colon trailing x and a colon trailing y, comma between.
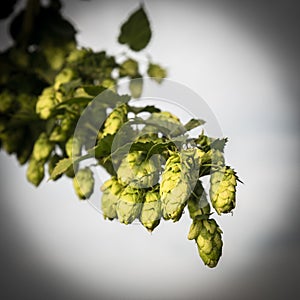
x: 119, y: 153
x: 103, y: 148
x: 159, y: 148
x: 219, y: 144
x: 61, y: 167
x: 136, y: 31
x: 193, y: 123
x: 111, y: 99
x: 149, y: 108
x: 77, y: 100
x: 94, y: 90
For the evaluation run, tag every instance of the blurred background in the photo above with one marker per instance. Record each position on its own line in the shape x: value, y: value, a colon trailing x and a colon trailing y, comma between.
x: 242, y: 58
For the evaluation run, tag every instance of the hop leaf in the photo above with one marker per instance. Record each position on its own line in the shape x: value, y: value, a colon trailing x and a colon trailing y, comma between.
x: 222, y: 190
x: 83, y: 183
x: 151, y: 210
x: 53, y: 161
x: 136, y: 32
x: 110, y: 197
x: 129, y: 205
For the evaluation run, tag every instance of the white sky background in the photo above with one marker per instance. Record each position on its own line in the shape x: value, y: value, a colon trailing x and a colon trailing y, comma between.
x: 244, y: 81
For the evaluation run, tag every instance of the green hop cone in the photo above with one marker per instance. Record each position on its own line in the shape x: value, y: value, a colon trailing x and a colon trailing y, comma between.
x: 111, y: 193
x: 76, y: 55
x: 35, y: 171
x: 136, y: 86
x: 178, y: 181
x: 64, y: 76
x: 62, y: 131
x: 151, y: 210
x: 46, y: 103
x: 129, y: 205
x: 42, y: 148
x: 197, y: 203
x: 129, y: 68
x: 115, y: 120
x: 138, y: 172
x: 157, y: 72
x: 83, y: 183
x: 209, y: 241
x: 222, y: 189
x: 73, y: 147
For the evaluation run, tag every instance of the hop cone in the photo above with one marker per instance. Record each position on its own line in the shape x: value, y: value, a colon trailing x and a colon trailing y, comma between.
x: 138, y: 172
x: 129, y: 205
x: 163, y: 121
x: 110, y: 197
x: 178, y: 181
x: 42, y: 148
x: 222, y: 189
x: 157, y: 72
x: 61, y: 132
x: 83, y: 183
x: 115, y: 120
x: 46, y: 103
x: 151, y: 210
x: 129, y: 68
x: 207, y: 234
x: 35, y: 171
x: 63, y: 76
x: 73, y: 147
x: 136, y: 87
